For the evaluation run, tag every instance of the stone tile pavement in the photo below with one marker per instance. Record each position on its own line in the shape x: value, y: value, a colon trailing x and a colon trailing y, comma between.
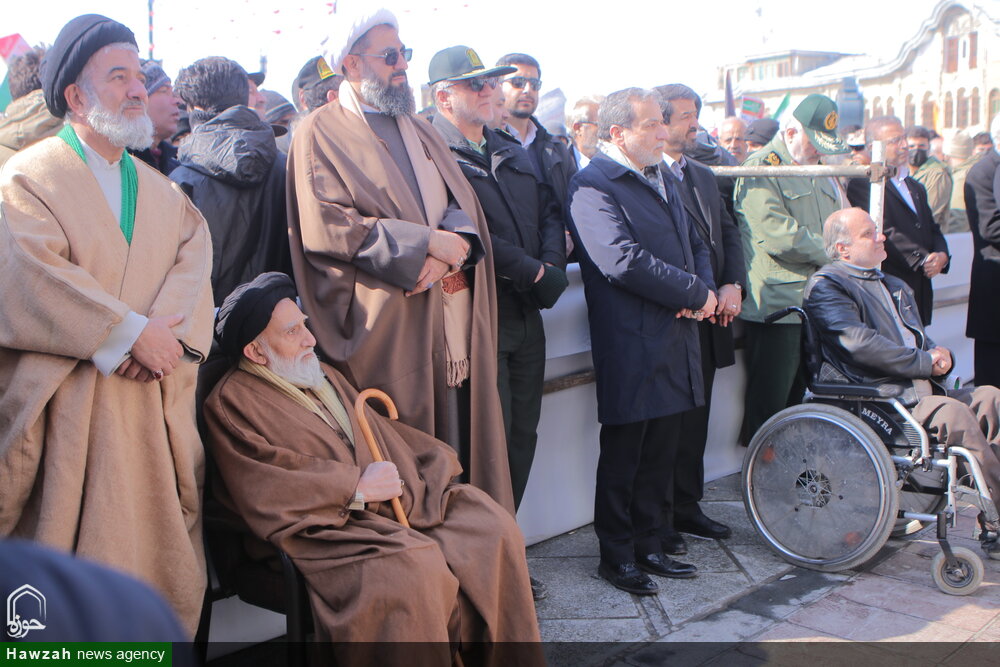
x: 747, y: 606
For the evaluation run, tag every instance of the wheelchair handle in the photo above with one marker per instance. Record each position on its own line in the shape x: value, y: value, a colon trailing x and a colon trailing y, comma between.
x: 785, y: 312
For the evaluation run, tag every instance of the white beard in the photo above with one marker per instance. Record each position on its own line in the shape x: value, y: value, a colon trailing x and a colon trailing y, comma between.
x: 122, y: 131
x: 304, y: 372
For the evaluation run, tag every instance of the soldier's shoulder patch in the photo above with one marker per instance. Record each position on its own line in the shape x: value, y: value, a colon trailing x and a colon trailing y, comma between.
x: 773, y: 159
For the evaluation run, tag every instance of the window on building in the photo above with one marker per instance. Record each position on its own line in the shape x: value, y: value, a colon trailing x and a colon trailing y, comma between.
x: 974, y: 107
x: 962, y: 110
x: 994, y: 106
x: 890, y: 107
x: 949, y: 110
x: 973, y: 50
x: 950, y: 54
x: 877, y: 107
x: 909, y: 112
x: 927, y: 111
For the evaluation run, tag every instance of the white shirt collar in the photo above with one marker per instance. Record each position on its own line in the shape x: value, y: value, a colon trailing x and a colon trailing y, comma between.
x: 529, y: 136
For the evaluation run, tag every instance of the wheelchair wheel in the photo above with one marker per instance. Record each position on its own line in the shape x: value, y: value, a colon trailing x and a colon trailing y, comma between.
x: 963, y: 580
x: 820, y: 487
x: 924, y: 503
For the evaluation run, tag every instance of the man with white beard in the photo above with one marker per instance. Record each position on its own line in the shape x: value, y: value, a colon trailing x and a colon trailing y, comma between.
x: 295, y: 466
x: 106, y: 307
x: 391, y: 251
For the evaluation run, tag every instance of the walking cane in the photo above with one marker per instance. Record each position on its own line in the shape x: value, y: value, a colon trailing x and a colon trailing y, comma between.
x: 359, y: 412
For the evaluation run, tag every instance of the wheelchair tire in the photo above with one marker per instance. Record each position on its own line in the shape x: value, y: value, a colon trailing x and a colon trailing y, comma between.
x: 820, y: 487
x: 963, y: 581
x: 923, y: 503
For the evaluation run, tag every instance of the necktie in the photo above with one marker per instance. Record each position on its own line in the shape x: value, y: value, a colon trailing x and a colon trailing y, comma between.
x: 675, y: 169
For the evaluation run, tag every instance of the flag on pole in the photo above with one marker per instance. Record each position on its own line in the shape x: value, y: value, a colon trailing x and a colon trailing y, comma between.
x: 730, y: 100
x: 10, y: 46
x: 781, y: 107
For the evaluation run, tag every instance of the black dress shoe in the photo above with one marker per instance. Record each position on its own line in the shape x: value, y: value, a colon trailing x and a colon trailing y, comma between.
x: 702, y: 526
x: 663, y: 565
x: 672, y: 542
x: 627, y: 577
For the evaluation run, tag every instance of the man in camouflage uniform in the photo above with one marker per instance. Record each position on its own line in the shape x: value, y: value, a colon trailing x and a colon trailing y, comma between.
x: 781, y: 221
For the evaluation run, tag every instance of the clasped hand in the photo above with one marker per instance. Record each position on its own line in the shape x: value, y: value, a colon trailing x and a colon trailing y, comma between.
x: 156, y: 349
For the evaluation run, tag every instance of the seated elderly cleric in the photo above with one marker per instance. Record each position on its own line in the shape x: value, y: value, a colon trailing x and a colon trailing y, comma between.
x: 870, y: 332
x: 296, y: 468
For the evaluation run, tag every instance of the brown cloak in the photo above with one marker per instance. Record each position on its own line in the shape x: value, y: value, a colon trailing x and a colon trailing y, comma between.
x: 105, y: 467
x: 343, y: 183
x: 290, y: 477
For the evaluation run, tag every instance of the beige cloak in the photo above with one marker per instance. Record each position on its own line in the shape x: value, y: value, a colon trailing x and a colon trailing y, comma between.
x: 343, y: 187
x: 108, y: 468
x: 290, y: 477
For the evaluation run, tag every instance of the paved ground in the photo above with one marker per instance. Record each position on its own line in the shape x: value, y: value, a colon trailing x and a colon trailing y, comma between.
x: 746, y: 597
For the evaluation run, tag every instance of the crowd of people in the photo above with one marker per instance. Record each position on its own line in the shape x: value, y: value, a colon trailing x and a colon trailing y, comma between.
x: 339, y: 241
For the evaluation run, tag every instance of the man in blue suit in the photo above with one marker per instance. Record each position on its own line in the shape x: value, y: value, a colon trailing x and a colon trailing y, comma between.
x: 648, y: 280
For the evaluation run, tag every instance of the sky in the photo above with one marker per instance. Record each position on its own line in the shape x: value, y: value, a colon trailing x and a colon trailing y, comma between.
x: 584, y: 47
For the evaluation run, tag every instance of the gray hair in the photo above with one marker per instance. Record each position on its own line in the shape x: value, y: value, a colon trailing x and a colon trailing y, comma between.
x: 616, y: 109
x: 835, y: 231
x: 580, y: 112
x: 877, y: 124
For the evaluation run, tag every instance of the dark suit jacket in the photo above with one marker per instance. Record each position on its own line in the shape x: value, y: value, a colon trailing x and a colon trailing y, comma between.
x: 910, y: 238
x: 706, y: 209
x: 982, y: 194
x: 641, y: 261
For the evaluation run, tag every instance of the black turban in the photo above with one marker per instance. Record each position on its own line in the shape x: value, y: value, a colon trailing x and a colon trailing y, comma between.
x: 246, y: 312
x: 79, y: 39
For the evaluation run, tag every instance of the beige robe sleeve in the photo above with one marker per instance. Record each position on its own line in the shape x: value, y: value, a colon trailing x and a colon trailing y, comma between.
x: 187, y: 288
x: 50, y: 304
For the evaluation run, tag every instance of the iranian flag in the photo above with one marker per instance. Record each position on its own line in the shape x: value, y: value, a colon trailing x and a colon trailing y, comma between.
x: 10, y: 46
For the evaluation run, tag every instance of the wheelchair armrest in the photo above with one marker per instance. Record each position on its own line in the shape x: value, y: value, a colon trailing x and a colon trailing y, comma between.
x: 856, y: 390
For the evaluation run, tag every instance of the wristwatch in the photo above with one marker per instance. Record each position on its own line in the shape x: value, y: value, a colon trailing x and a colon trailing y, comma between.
x: 358, y: 503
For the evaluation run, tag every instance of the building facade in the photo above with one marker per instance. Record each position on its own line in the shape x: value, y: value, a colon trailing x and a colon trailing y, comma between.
x: 946, y: 77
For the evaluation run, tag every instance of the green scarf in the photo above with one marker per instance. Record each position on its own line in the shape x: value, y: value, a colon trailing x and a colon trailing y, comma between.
x: 130, y: 180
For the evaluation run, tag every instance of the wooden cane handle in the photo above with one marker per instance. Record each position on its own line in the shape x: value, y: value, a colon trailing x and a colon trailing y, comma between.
x: 366, y: 431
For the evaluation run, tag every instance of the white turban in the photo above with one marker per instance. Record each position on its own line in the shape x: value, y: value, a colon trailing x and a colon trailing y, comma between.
x: 349, y: 27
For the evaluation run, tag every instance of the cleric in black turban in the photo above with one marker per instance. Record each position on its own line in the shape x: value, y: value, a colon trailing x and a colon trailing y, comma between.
x: 79, y: 39
x: 246, y: 312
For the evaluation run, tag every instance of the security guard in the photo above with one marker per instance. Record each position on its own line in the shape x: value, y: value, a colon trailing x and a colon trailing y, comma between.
x: 781, y: 220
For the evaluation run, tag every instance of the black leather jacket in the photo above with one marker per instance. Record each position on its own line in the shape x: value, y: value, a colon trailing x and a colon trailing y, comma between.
x: 858, y: 337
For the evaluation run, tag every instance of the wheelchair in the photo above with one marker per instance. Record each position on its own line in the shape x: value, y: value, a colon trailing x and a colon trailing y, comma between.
x: 826, y: 483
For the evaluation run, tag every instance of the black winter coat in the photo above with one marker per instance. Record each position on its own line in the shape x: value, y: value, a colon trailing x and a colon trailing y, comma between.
x: 707, y: 211
x: 982, y: 196
x: 165, y: 162
x: 641, y: 262
x: 558, y: 164
x: 910, y: 237
x: 233, y: 172
x: 858, y: 337
x: 526, y: 229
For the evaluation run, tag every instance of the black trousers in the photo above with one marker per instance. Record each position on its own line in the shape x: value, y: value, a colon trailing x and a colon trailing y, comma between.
x: 520, y: 377
x: 689, y: 467
x: 634, y: 476
x: 986, y: 363
x: 775, y: 378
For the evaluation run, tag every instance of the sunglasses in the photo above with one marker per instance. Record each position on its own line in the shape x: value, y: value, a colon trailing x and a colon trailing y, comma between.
x: 480, y: 82
x: 391, y: 57
x: 522, y: 81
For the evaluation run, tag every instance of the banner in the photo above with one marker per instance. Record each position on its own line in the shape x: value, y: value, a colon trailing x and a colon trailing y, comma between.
x: 10, y: 46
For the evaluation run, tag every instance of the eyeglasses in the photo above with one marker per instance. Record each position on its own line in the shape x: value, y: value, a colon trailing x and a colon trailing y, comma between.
x: 390, y: 57
x: 480, y: 82
x: 522, y: 81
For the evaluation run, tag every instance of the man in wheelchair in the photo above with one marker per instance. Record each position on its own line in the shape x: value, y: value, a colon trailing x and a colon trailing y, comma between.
x: 870, y: 332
